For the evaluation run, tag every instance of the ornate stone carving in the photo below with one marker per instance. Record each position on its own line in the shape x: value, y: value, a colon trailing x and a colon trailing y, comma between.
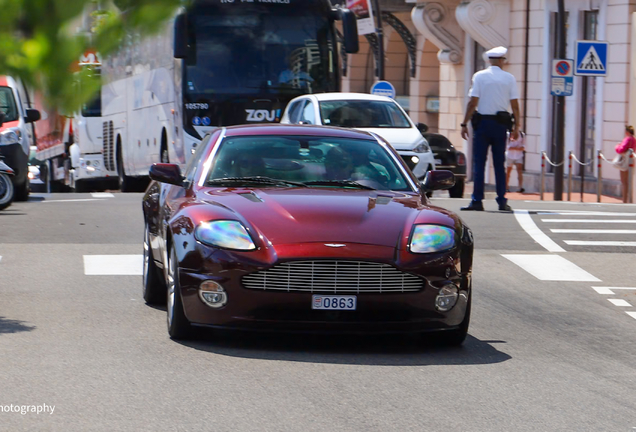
x: 437, y: 22
x: 486, y: 21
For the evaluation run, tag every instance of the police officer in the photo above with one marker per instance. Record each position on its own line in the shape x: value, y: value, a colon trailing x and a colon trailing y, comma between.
x: 492, y: 91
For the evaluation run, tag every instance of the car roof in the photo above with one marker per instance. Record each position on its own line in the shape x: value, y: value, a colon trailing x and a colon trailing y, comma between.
x: 298, y: 130
x: 349, y: 96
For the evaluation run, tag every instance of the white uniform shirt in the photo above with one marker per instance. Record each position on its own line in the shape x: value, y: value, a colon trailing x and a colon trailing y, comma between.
x: 495, y: 89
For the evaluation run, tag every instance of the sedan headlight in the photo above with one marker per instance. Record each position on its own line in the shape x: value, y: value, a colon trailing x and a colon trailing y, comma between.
x: 226, y: 234
x: 431, y: 238
x: 422, y: 148
x: 9, y: 137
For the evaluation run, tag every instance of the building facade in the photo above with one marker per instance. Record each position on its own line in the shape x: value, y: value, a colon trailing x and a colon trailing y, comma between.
x: 432, y: 50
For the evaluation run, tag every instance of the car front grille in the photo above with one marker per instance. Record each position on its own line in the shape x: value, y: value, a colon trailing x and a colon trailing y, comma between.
x: 409, y: 162
x: 333, y: 277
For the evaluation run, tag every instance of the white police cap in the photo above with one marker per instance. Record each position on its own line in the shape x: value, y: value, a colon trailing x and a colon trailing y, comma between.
x: 497, y: 52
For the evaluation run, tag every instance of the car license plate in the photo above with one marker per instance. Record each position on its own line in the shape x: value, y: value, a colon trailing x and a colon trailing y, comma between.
x: 327, y: 302
x: 438, y: 161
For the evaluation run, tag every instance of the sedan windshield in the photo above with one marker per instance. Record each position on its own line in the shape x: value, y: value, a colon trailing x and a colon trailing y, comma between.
x: 288, y: 161
x: 363, y: 114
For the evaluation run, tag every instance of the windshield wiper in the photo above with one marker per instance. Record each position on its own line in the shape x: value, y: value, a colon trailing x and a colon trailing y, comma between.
x: 349, y: 183
x: 256, y: 179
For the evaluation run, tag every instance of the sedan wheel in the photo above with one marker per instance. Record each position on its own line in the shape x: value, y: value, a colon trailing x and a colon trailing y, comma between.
x: 154, y: 286
x: 178, y: 325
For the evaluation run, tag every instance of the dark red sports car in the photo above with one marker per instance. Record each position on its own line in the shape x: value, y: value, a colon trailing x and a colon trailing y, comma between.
x: 304, y: 229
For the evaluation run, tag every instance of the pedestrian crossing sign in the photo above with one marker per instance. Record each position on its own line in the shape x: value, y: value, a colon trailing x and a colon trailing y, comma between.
x: 591, y: 58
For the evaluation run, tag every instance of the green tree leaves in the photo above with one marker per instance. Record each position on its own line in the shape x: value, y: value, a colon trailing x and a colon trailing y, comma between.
x: 41, y: 41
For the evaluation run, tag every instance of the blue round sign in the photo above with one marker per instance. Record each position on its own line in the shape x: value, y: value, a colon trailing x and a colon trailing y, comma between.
x: 383, y: 88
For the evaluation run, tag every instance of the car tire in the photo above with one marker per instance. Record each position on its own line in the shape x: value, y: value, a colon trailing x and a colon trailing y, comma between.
x: 178, y: 325
x: 6, y: 191
x: 154, y: 287
x: 457, y: 191
x: 21, y: 192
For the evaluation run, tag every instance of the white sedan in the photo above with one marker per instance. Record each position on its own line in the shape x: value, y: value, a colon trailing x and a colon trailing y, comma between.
x: 378, y: 114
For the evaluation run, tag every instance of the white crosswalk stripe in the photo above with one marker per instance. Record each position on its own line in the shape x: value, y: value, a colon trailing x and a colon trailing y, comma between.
x: 577, y: 228
x: 118, y: 265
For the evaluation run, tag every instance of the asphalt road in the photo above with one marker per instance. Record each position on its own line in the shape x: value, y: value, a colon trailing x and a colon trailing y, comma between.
x: 542, y: 354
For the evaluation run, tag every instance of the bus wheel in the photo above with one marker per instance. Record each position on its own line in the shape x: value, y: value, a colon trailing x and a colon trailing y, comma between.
x: 125, y: 182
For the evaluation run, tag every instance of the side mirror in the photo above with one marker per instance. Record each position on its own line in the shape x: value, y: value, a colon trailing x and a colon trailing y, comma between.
x: 32, y: 115
x: 349, y: 31
x: 181, y: 36
x: 438, y: 180
x: 166, y: 173
x: 422, y: 127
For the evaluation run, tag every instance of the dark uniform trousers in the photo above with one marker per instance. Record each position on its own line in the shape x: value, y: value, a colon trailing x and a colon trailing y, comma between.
x: 489, y: 132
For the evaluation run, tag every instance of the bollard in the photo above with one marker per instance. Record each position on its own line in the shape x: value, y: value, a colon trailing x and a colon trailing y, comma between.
x: 630, y: 177
x: 569, y: 176
x: 542, y: 175
x: 599, y: 178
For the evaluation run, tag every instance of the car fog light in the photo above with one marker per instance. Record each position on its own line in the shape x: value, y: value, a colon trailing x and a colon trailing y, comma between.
x: 415, y: 159
x: 212, y: 294
x: 446, y: 298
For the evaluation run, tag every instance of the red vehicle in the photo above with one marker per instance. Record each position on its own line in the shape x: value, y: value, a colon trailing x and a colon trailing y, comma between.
x: 304, y: 229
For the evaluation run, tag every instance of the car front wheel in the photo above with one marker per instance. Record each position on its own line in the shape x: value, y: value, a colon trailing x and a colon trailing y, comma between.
x: 154, y: 288
x: 178, y: 325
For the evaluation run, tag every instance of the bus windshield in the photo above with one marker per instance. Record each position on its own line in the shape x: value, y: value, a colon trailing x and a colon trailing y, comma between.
x: 258, y: 52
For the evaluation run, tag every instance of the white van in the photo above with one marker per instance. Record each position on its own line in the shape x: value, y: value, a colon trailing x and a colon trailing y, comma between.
x: 16, y: 132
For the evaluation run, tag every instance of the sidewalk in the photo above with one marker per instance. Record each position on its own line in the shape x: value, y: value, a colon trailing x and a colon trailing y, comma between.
x: 547, y: 196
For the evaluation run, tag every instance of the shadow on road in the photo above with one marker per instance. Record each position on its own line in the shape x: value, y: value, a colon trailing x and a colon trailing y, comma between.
x: 383, y: 350
x: 14, y: 326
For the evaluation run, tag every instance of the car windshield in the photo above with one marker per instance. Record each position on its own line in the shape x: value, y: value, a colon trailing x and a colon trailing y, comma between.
x: 363, y: 114
x: 7, y: 104
x: 288, y: 161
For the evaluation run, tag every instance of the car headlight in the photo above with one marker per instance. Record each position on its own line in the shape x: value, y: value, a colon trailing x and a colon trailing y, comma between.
x: 422, y: 148
x: 9, y: 137
x: 226, y: 234
x: 431, y: 238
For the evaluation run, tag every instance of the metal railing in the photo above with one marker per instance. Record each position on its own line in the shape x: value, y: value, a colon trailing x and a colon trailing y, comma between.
x: 599, y: 179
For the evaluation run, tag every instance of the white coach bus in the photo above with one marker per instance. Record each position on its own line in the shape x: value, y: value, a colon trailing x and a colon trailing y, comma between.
x: 217, y: 63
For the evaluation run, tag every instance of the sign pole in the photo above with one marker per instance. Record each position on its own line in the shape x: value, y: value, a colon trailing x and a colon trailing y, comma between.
x: 560, y: 112
x: 378, y: 30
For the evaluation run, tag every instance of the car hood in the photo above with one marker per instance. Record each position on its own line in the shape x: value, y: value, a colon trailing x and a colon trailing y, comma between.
x: 400, y: 139
x: 290, y: 216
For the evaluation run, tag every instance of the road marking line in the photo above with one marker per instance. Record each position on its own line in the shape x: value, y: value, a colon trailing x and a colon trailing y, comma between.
x: 526, y: 222
x: 121, y: 265
x: 73, y: 200
x: 551, y: 268
x: 581, y: 213
x: 110, y: 195
x: 610, y: 290
x: 620, y: 302
x: 593, y: 231
x: 631, y: 314
x: 599, y: 243
x: 629, y: 221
